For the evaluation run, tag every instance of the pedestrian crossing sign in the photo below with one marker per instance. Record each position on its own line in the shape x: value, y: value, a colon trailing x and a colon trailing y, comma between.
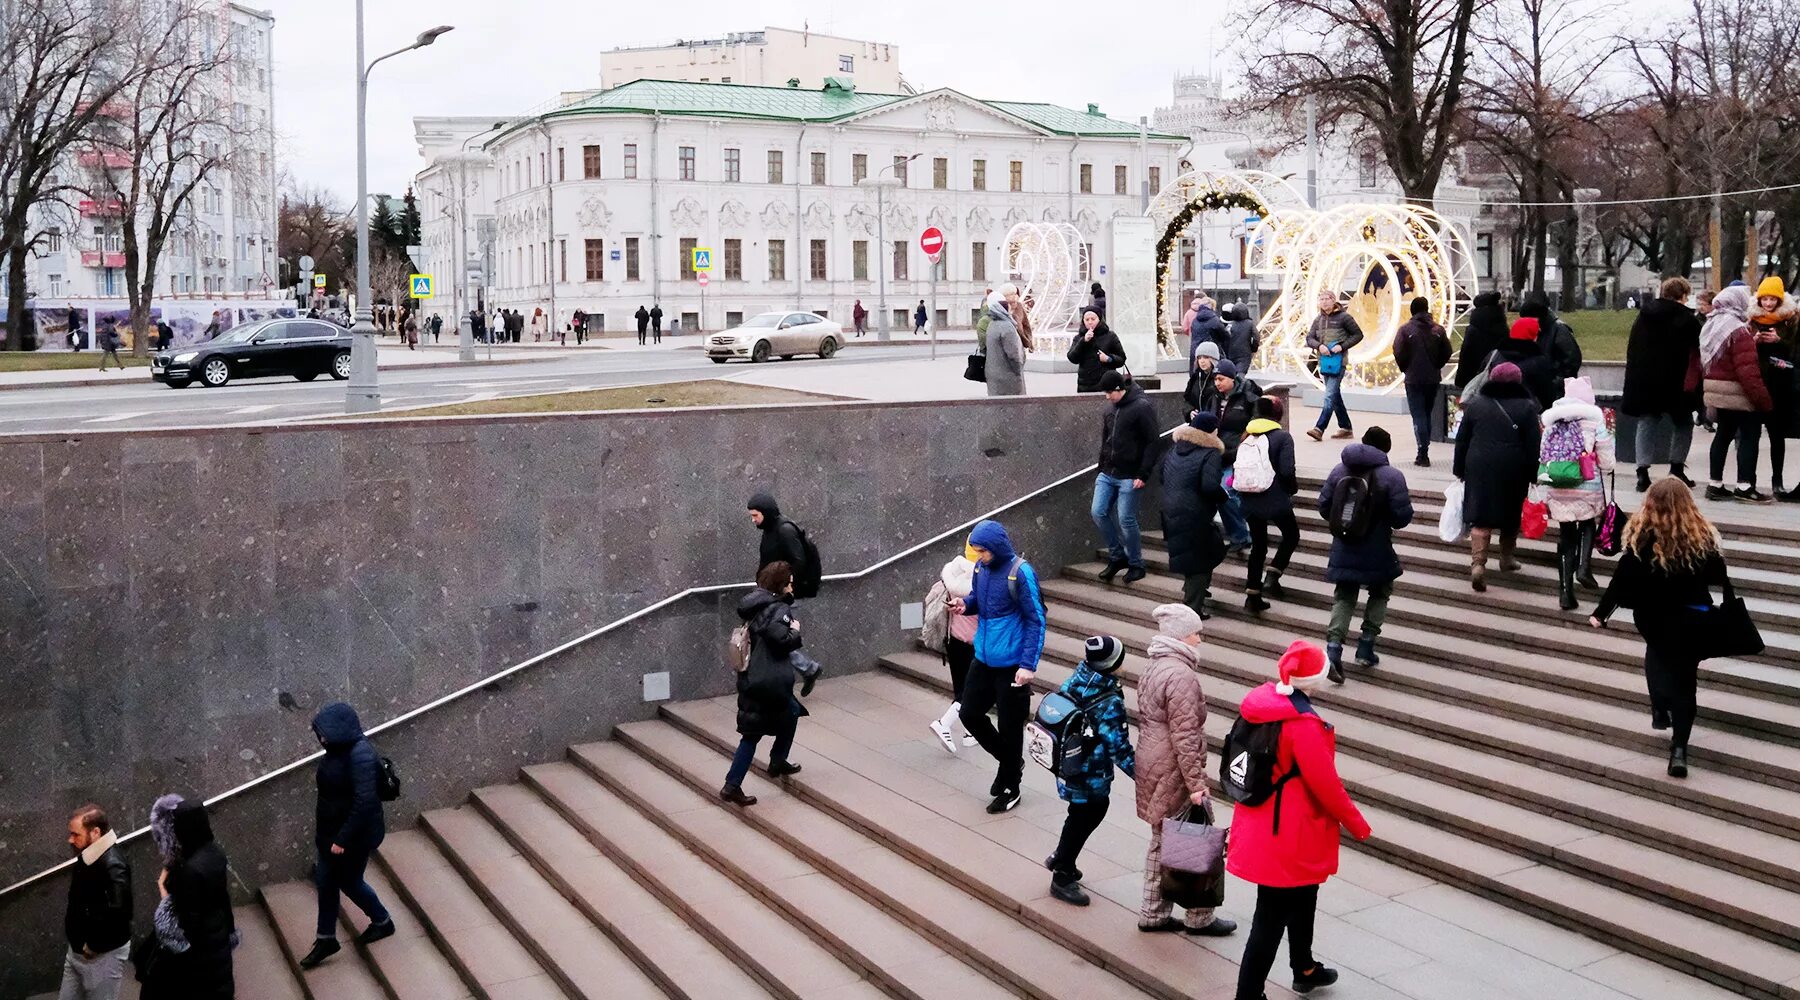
x: 702, y: 258
x: 421, y: 286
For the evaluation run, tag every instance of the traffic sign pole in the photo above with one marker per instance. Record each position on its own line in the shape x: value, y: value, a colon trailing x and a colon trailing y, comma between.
x: 932, y: 242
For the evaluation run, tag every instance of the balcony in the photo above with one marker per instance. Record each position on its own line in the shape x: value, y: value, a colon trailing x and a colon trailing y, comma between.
x: 102, y: 258
x: 102, y: 209
x: 116, y: 109
x: 110, y: 160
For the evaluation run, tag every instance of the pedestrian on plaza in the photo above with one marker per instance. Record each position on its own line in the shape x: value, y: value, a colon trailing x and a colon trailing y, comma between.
x: 1005, y: 348
x: 643, y: 325
x: 437, y: 327
x: 781, y: 537
x: 1019, y: 308
x: 189, y: 956
x: 1287, y: 845
x: 1421, y: 350
x: 1201, y: 394
x: 1088, y: 790
x: 1536, y: 370
x: 1009, y: 639
x: 348, y: 827
x: 1487, y: 330
x: 1555, y: 341
x: 1205, y: 328
x: 97, y: 922
x: 1362, y: 545
x: 981, y: 321
x: 957, y: 578
x: 1237, y: 397
x: 165, y: 335
x: 1266, y: 482
x: 1496, y: 458
x: 1187, y: 320
x: 1097, y: 299
x: 766, y: 702
x: 409, y: 329
x: 919, y: 319
x: 537, y: 325
x: 109, y: 343
x: 1735, y: 392
x: 1574, y: 422
x: 1774, y: 318
x: 1332, y: 336
x: 1242, y: 340
x: 1128, y: 453
x: 1171, y: 759
x: 860, y: 316
x: 1094, y: 351
x: 656, y: 318
x: 1662, y: 378
x: 75, y: 320
x: 1193, y: 491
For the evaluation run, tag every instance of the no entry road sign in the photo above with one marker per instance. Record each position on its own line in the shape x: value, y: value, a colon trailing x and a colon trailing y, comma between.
x: 932, y: 242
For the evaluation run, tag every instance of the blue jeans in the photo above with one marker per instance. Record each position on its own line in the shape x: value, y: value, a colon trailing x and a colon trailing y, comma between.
x: 746, y: 752
x: 1334, y: 403
x: 1231, y: 514
x: 1420, y: 401
x: 1116, y: 513
x: 335, y: 873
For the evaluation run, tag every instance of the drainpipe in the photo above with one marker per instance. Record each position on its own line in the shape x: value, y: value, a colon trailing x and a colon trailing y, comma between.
x: 549, y: 224
x: 655, y: 219
x: 802, y: 258
x: 1074, y: 175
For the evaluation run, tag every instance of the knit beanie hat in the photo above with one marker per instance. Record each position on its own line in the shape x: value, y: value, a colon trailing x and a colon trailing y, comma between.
x: 1524, y: 328
x: 1378, y: 438
x: 1226, y: 368
x: 1112, y: 381
x: 1771, y: 285
x: 1302, y: 667
x: 1177, y: 621
x: 1104, y: 653
x: 1506, y: 371
x: 1209, y: 349
x: 1205, y: 420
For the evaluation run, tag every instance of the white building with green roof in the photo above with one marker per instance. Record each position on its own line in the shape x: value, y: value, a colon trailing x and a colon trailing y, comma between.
x: 599, y: 202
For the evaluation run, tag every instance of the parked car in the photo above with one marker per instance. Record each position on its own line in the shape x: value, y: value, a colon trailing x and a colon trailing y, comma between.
x: 776, y: 333
x: 303, y: 348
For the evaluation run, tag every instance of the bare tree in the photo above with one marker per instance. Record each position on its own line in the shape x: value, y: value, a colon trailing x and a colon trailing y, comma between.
x: 311, y: 222
x: 1394, y: 67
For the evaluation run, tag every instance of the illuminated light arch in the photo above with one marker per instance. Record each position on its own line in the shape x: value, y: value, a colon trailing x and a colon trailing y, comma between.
x: 1049, y: 262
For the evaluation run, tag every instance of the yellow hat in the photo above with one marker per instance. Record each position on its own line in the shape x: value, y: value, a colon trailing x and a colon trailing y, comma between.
x: 1771, y: 285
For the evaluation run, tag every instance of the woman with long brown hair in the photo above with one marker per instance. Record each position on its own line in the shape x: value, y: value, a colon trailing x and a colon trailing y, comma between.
x: 1668, y: 568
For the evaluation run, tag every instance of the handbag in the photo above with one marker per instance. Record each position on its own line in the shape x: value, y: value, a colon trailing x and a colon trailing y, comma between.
x: 976, y: 369
x: 1724, y: 630
x: 147, y: 956
x: 1193, y: 860
x: 1331, y: 364
x: 1609, y: 538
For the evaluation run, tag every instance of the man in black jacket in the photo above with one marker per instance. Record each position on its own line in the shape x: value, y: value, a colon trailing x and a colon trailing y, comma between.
x: 1128, y: 453
x: 1421, y: 350
x: 780, y: 536
x: 1237, y: 397
x: 97, y: 923
x: 348, y: 827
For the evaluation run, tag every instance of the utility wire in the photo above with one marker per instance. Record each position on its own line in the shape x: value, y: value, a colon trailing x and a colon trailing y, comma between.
x: 1619, y: 201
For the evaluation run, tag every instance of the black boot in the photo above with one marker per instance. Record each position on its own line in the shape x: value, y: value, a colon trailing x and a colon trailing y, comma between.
x: 1584, y: 560
x: 1566, y: 579
x: 1272, y: 585
x: 1643, y: 481
x: 1113, y: 568
x: 1678, y: 762
x: 1334, y: 655
x: 1680, y: 472
x: 324, y: 948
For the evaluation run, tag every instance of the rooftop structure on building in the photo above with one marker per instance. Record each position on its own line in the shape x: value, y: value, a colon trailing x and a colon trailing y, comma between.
x: 770, y: 57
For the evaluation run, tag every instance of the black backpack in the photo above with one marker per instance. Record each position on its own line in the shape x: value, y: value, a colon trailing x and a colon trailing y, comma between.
x: 1247, y: 766
x: 806, y: 577
x: 387, y: 780
x: 1063, y: 732
x: 1352, y: 507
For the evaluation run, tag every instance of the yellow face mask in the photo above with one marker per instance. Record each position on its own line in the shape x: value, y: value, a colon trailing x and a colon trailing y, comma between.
x: 971, y: 553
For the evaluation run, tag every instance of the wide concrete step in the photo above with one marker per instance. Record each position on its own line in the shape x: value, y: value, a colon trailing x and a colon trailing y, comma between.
x: 578, y: 955
x: 293, y: 910
x: 676, y: 956
x: 408, y: 964
x: 484, y: 952
x: 883, y: 795
x: 259, y: 966
x: 778, y: 951
x: 1009, y: 952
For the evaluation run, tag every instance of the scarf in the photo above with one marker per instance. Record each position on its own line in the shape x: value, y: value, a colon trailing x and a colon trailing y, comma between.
x: 1730, y: 307
x: 1163, y: 645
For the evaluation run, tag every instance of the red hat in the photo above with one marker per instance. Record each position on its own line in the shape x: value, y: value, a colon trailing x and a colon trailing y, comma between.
x: 1302, y: 662
x: 1524, y: 328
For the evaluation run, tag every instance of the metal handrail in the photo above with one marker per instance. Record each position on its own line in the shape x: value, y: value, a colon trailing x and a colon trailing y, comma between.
x: 533, y: 661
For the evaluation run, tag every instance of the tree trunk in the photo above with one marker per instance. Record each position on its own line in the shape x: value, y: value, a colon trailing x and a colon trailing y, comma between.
x: 16, y: 318
x: 135, y: 297
x: 1568, y: 253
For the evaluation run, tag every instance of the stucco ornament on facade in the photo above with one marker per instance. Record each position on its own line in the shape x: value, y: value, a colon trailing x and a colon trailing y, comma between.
x: 734, y: 214
x: 594, y: 215
x: 777, y: 215
x: 687, y: 214
x: 942, y: 218
x: 940, y: 115
x: 818, y: 217
x: 860, y: 219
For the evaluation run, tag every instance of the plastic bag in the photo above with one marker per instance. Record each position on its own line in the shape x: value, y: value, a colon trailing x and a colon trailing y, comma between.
x: 1450, y: 522
x: 1534, y: 517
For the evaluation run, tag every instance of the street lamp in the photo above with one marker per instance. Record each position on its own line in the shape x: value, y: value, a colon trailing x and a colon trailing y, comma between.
x: 459, y: 238
x: 364, y: 392
x: 881, y: 247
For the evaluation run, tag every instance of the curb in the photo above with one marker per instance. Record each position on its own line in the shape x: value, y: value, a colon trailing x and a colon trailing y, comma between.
x: 91, y: 382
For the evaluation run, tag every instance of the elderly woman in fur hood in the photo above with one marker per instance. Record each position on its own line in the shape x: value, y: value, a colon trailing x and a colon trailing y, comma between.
x: 1775, y: 320
x: 1577, y: 508
x: 1193, y: 490
x: 189, y: 956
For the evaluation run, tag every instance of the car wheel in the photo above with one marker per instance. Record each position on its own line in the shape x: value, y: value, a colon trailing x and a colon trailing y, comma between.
x: 340, y: 365
x: 760, y: 352
x: 828, y: 347
x: 215, y: 373
x: 718, y: 361
x: 306, y: 376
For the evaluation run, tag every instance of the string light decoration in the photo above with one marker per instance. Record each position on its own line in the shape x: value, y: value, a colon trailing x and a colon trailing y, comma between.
x: 1049, y: 262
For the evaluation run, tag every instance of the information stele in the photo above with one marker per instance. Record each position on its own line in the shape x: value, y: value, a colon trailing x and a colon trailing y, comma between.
x: 932, y: 242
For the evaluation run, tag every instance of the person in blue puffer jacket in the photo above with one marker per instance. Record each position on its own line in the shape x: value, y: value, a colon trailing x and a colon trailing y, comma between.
x: 1088, y: 791
x: 1009, y: 639
x: 349, y: 826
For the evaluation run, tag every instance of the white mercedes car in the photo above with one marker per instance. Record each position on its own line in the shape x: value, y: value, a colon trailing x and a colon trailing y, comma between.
x: 782, y: 334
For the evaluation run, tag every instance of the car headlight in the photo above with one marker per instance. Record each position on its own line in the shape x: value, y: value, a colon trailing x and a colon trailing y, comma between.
x: 182, y: 359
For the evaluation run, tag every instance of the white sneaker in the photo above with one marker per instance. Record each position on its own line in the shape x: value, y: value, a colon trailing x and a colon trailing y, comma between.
x: 970, y: 741
x: 943, y: 733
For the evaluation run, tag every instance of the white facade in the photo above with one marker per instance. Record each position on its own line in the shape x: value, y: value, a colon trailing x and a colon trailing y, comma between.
x: 455, y: 195
x: 599, y: 212
x: 767, y: 58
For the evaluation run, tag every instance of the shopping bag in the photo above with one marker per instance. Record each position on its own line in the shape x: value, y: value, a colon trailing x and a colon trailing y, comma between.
x: 1450, y: 521
x: 1193, y: 861
x: 1534, y: 518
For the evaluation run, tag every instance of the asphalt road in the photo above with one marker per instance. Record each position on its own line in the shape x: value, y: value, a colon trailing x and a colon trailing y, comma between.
x: 147, y: 404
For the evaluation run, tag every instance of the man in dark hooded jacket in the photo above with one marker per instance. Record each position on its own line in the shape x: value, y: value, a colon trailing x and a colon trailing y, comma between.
x: 1128, y: 454
x: 349, y: 828
x: 1368, y: 560
x: 1241, y: 337
x: 1207, y: 327
x: 780, y: 536
x: 1555, y: 339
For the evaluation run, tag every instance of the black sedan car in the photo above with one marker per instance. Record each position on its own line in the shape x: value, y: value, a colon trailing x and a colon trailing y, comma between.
x: 303, y: 348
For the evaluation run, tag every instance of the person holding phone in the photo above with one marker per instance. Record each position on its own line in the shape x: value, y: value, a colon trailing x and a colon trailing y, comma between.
x: 1095, y: 352
x: 1009, y: 640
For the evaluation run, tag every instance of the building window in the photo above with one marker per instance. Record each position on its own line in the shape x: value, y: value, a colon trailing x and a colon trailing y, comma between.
x: 940, y: 172
x: 846, y: 64
x: 978, y: 176
x: 1187, y: 260
x: 590, y: 162
x: 818, y: 260
x: 978, y: 261
x: 900, y: 260
x: 1365, y: 173
x: 859, y: 260
x: 732, y: 165
x: 55, y: 282
x: 818, y: 168
x: 1087, y: 178
x: 687, y: 163
x: 595, y: 252
x: 774, y: 166
x: 544, y: 168
x: 53, y: 241
x: 1155, y: 179
x: 1017, y: 168
x: 778, y: 260
x: 1484, y: 255
x: 687, y: 258
x: 631, y: 258
x: 859, y: 167
x: 1120, y: 184
x: 631, y: 161
x: 734, y: 260
x: 562, y: 260
x: 900, y: 170
x: 561, y: 175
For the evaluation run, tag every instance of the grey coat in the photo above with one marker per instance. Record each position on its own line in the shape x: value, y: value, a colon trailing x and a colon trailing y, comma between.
x: 1005, y: 355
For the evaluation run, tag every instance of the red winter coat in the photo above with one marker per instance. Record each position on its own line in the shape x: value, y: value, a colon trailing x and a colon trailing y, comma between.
x: 1313, y: 804
x: 1734, y: 378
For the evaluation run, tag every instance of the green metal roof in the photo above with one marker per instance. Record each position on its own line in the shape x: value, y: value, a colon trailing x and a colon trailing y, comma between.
x: 1066, y: 121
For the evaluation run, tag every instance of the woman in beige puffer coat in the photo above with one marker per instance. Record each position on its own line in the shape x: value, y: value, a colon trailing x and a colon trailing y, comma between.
x: 1171, y: 757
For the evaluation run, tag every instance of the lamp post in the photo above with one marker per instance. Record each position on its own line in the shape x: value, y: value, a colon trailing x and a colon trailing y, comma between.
x: 465, y: 329
x: 881, y: 248
x: 364, y: 392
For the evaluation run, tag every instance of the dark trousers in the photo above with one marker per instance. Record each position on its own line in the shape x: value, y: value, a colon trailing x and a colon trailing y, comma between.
x: 643, y: 335
x: 113, y: 353
x: 1746, y: 429
x: 1277, y: 911
x: 1084, y: 819
x: 656, y: 333
x: 992, y: 688
x: 1196, y: 590
x: 1420, y: 400
x: 1674, y: 681
x: 959, y: 655
x: 1259, y: 547
x: 335, y: 873
x: 746, y: 751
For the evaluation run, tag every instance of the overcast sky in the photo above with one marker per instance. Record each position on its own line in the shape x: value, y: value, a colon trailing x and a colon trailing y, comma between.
x: 509, y: 55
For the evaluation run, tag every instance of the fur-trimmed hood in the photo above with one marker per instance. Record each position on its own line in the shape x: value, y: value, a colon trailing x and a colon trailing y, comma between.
x: 1198, y: 438
x: 1787, y: 310
x: 958, y: 576
x: 1569, y: 409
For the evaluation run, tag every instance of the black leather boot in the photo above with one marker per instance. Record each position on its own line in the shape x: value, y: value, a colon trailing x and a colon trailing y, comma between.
x: 1584, y: 562
x: 1565, y: 576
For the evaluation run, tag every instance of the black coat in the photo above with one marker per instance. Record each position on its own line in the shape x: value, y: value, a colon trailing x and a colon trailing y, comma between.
x: 766, y: 687
x: 1200, y: 392
x: 200, y: 899
x: 1422, y: 349
x: 1664, y: 345
x: 1278, y: 498
x: 1085, y: 354
x: 348, y: 810
x: 1538, y: 370
x: 1128, y: 438
x: 1371, y: 558
x: 643, y: 319
x: 1497, y: 454
x: 656, y: 316
x: 1241, y: 340
x: 1192, y: 490
x: 780, y: 536
x: 1485, y: 334
x: 1236, y: 410
x: 99, y: 913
